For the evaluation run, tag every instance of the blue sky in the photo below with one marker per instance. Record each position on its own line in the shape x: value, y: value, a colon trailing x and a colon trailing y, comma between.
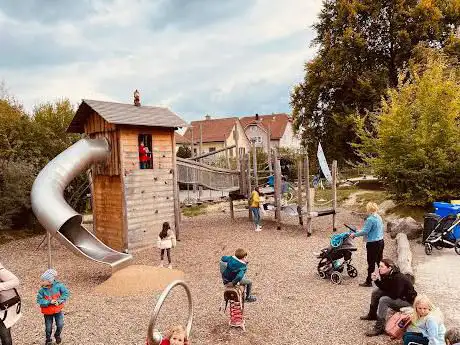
x: 196, y: 57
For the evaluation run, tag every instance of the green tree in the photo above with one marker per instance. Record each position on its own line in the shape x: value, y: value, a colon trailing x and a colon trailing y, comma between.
x: 416, y: 149
x: 362, y: 44
x: 184, y: 151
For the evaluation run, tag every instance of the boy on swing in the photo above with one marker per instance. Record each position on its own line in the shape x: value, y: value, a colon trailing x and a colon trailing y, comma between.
x: 233, y: 269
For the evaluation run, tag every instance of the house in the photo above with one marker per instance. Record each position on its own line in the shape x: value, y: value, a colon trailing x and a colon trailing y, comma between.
x: 275, y: 127
x: 213, y: 134
x: 181, y: 140
x: 133, y: 190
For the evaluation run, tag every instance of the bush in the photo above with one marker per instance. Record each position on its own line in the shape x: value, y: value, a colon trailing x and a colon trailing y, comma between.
x: 416, y: 149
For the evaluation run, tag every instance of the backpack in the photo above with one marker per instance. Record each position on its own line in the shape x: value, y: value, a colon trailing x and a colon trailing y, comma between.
x: 397, y: 325
x: 9, y: 298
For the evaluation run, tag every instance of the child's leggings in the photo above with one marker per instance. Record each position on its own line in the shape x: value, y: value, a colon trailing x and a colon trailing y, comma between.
x: 168, y: 253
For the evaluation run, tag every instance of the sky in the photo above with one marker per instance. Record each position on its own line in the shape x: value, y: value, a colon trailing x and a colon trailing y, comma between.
x: 196, y: 57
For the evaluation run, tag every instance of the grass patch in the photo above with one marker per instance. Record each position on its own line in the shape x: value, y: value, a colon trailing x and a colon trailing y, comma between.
x: 416, y: 212
x: 326, y: 194
x: 194, y: 211
x: 375, y: 196
x: 12, y: 235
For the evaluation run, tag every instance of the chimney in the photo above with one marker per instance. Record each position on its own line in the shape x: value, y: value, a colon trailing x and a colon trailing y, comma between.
x: 137, y: 98
x: 207, y: 117
x: 257, y: 117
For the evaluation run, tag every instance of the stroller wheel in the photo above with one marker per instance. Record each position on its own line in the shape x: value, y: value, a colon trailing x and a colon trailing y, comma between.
x: 323, y: 267
x: 352, y: 271
x: 428, y: 249
x: 336, y: 278
x: 457, y: 247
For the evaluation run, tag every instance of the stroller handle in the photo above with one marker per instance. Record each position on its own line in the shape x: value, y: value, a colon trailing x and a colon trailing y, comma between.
x: 351, y: 227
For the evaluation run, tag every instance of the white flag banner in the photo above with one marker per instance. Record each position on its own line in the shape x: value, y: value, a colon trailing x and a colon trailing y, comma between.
x: 323, y: 164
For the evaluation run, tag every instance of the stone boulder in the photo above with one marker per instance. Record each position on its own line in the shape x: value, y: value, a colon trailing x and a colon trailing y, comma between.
x: 407, y: 226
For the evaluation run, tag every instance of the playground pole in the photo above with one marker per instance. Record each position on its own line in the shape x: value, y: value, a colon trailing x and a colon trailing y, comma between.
x: 277, y: 190
x: 334, y: 192
x: 247, y: 164
x: 48, y: 235
x: 307, y: 186
x: 269, y: 149
x: 299, y: 188
x: 254, y: 163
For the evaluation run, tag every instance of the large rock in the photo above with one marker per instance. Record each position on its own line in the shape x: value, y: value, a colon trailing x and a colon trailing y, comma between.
x: 407, y: 226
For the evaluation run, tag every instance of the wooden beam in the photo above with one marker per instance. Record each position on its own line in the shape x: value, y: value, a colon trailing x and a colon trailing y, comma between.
x: 277, y: 190
x: 232, y: 212
x: 299, y: 188
x: 205, y: 166
x: 236, y: 137
x: 334, y: 193
x: 175, y: 189
x: 404, y: 260
x: 248, y: 176
x: 307, y: 186
x: 254, y: 163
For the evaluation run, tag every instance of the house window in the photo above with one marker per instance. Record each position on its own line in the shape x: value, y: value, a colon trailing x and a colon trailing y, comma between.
x: 194, y: 152
x: 241, y: 151
x: 145, y: 151
x: 212, y: 149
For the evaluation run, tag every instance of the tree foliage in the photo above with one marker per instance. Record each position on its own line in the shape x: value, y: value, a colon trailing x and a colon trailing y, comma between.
x: 362, y: 44
x: 27, y: 143
x: 184, y: 151
x: 416, y: 149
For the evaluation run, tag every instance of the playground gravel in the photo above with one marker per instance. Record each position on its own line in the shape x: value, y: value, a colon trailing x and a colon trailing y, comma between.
x: 294, y: 306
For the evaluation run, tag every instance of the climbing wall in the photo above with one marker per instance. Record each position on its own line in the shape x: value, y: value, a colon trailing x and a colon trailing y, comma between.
x: 148, y: 193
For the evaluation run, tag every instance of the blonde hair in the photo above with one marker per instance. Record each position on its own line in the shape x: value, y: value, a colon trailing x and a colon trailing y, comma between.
x: 434, y: 311
x: 372, y: 207
x: 176, y: 330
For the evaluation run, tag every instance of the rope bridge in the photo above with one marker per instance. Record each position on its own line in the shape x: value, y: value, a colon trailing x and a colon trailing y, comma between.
x: 191, y: 172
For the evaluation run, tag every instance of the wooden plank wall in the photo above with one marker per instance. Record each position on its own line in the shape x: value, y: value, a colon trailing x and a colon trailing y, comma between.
x: 107, y: 196
x: 149, y: 193
x: 97, y: 127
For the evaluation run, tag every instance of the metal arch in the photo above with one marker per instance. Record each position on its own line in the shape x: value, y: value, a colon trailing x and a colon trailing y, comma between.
x: 152, y: 338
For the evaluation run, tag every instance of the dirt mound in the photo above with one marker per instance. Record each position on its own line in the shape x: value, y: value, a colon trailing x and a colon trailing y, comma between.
x: 138, y: 279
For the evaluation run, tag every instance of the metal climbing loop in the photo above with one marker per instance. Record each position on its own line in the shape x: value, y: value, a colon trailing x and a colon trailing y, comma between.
x: 154, y: 336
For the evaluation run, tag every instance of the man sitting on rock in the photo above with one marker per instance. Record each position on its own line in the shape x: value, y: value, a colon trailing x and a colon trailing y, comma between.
x: 394, y: 290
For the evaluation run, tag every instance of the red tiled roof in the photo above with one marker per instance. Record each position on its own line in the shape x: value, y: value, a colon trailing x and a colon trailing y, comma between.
x: 180, y: 139
x: 277, y: 123
x: 213, y: 130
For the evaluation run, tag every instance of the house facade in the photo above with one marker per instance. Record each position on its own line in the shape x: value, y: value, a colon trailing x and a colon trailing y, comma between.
x: 210, y: 135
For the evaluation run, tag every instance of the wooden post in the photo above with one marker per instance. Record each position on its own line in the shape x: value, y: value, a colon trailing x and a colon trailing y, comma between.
x: 200, y: 188
x: 248, y: 167
x: 277, y: 190
x: 269, y: 150
x: 48, y: 235
x: 193, y: 155
x: 175, y: 190
x: 254, y: 163
x: 299, y: 188
x: 227, y: 159
x: 307, y: 186
x: 232, y: 213
x: 334, y: 193
x: 237, y: 153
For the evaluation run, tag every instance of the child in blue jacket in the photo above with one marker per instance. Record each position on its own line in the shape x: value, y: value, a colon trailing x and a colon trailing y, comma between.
x: 233, y: 269
x: 51, y: 298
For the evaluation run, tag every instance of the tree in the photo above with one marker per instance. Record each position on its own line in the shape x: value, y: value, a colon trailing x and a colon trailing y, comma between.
x: 416, y: 148
x: 362, y: 46
x: 184, y: 152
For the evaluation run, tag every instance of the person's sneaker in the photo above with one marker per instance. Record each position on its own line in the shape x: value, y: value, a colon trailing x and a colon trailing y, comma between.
x: 170, y: 266
x: 250, y: 299
x: 366, y: 284
x: 160, y: 264
x: 58, y: 340
x: 368, y: 317
x: 258, y: 228
x: 48, y: 342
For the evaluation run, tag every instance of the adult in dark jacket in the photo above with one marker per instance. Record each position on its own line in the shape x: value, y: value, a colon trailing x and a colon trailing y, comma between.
x: 394, y: 290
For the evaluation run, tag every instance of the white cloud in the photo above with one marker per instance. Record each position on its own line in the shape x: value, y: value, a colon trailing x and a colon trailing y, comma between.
x: 260, y: 51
